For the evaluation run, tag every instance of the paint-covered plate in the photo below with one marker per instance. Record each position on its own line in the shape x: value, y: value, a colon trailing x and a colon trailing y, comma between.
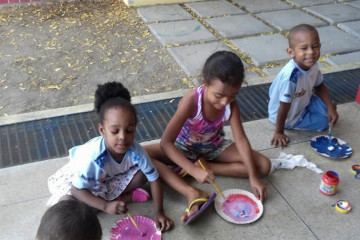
x: 340, y: 148
x: 124, y: 229
x: 239, y: 206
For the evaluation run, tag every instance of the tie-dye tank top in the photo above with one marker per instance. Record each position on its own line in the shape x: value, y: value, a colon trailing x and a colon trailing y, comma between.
x: 197, y: 131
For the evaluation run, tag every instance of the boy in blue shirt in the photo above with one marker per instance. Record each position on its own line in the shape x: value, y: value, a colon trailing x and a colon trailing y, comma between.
x: 292, y: 103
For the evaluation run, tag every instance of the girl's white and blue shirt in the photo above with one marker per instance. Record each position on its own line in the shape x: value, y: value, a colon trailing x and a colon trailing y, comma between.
x: 92, y: 167
x: 95, y: 165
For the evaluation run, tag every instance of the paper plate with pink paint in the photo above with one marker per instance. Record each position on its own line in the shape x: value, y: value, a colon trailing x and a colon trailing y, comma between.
x: 124, y: 229
x: 239, y: 206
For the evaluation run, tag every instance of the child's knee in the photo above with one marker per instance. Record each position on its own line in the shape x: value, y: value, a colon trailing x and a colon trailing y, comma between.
x: 265, y: 167
x: 263, y: 164
x: 322, y: 124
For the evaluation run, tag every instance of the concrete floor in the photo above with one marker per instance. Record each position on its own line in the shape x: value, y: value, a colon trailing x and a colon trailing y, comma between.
x: 294, y: 208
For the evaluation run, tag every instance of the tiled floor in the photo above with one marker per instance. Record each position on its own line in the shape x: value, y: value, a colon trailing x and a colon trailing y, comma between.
x: 294, y: 208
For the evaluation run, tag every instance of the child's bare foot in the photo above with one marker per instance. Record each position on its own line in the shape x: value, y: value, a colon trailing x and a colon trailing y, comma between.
x: 195, y: 200
x: 136, y: 195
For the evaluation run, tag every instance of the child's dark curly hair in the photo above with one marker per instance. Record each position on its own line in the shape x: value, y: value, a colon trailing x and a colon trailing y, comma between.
x: 225, y: 66
x: 112, y: 95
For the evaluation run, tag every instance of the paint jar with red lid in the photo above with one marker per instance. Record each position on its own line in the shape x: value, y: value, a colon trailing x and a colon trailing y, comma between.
x: 329, y: 183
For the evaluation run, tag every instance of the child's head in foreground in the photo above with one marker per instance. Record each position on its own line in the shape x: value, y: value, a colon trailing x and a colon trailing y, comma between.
x: 69, y: 220
x: 304, y: 45
x: 117, y: 118
x: 224, y: 66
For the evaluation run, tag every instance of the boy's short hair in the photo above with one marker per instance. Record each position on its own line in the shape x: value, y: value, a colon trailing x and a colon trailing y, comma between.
x: 300, y: 28
x: 69, y: 220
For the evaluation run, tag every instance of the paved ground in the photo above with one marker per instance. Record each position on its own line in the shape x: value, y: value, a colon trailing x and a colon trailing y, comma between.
x: 256, y: 31
x: 294, y: 209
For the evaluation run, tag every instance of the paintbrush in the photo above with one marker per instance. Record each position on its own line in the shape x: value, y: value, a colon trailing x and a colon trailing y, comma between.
x: 215, y: 185
x: 330, y: 146
x: 135, y: 224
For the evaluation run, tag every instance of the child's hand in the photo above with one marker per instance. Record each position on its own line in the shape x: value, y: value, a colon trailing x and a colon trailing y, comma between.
x: 258, y: 188
x: 163, y: 222
x: 116, y: 207
x: 332, y: 114
x: 203, y: 176
x: 279, y: 139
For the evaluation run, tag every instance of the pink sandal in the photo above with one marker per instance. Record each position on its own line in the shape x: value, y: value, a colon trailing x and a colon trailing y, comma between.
x: 139, y: 195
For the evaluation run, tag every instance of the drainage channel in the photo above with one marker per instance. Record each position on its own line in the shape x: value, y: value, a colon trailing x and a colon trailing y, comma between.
x: 43, y: 139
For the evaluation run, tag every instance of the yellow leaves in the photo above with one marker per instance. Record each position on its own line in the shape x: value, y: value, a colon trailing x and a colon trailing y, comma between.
x: 49, y: 87
x: 85, y: 16
x: 57, y: 69
x: 185, y: 81
x: 1, y: 107
x: 54, y: 87
x: 101, y: 45
x: 143, y: 48
x: 25, y: 35
x: 147, y: 90
x: 270, y: 65
x: 9, y: 33
x: 172, y: 100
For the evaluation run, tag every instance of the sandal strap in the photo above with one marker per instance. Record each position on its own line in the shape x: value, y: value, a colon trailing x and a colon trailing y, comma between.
x: 195, y: 201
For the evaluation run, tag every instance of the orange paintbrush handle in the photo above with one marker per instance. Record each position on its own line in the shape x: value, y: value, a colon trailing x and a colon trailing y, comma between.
x: 133, y: 221
x: 215, y: 185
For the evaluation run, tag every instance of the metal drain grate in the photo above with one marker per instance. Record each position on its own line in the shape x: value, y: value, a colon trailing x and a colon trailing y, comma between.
x: 38, y: 140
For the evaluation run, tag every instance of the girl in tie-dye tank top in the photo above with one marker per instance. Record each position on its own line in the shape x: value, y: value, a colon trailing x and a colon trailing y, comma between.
x: 201, y: 135
x: 196, y: 132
